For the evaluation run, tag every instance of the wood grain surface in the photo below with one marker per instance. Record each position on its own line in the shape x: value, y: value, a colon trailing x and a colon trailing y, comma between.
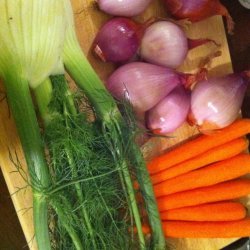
x: 88, y: 21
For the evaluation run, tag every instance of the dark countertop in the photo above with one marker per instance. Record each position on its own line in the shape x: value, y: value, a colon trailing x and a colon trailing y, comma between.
x: 11, y: 235
x: 239, y: 44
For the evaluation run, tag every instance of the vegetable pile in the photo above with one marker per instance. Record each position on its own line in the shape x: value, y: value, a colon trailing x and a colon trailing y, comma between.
x: 195, y: 179
x: 92, y: 188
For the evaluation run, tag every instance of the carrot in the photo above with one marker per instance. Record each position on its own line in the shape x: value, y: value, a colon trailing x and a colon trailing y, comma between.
x: 219, y: 192
x: 219, y: 153
x: 199, y: 145
x: 215, y: 173
x: 211, y: 229
x: 220, y: 211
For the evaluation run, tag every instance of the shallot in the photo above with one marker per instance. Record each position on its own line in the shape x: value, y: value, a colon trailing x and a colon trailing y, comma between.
x: 164, y: 43
x: 144, y: 84
x: 118, y: 40
x: 127, y: 8
x: 171, y: 112
x: 216, y: 103
x: 197, y: 10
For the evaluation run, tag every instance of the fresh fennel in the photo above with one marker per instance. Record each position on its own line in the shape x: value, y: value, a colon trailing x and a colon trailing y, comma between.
x: 85, y: 176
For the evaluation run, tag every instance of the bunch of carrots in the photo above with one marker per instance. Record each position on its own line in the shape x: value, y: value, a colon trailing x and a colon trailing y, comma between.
x: 197, y: 185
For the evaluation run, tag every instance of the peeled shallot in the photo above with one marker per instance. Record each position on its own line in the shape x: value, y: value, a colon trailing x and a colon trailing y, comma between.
x: 216, y: 103
x: 144, y: 84
x: 171, y: 112
x: 127, y: 8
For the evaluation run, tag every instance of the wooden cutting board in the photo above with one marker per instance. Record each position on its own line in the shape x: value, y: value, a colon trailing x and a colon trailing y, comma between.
x: 88, y: 20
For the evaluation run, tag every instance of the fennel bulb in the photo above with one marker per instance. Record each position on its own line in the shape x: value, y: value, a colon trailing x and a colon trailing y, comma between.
x: 31, y: 38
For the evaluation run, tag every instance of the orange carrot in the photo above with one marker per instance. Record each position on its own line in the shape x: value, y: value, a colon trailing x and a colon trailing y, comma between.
x: 220, y: 211
x: 218, y: 172
x: 199, y: 145
x: 219, y: 153
x: 211, y: 229
x: 219, y: 192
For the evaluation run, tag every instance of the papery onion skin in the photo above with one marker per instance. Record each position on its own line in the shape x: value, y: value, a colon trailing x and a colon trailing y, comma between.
x: 171, y: 112
x: 126, y: 8
x: 164, y: 43
x: 197, y: 10
x: 118, y: 40
x: 216, y: 103
x: 143, y: 84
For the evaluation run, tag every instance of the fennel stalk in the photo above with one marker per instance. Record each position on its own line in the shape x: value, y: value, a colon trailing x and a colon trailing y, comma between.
x: 106, y: 110
x: 28, y: 54
x: 24, y: 115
